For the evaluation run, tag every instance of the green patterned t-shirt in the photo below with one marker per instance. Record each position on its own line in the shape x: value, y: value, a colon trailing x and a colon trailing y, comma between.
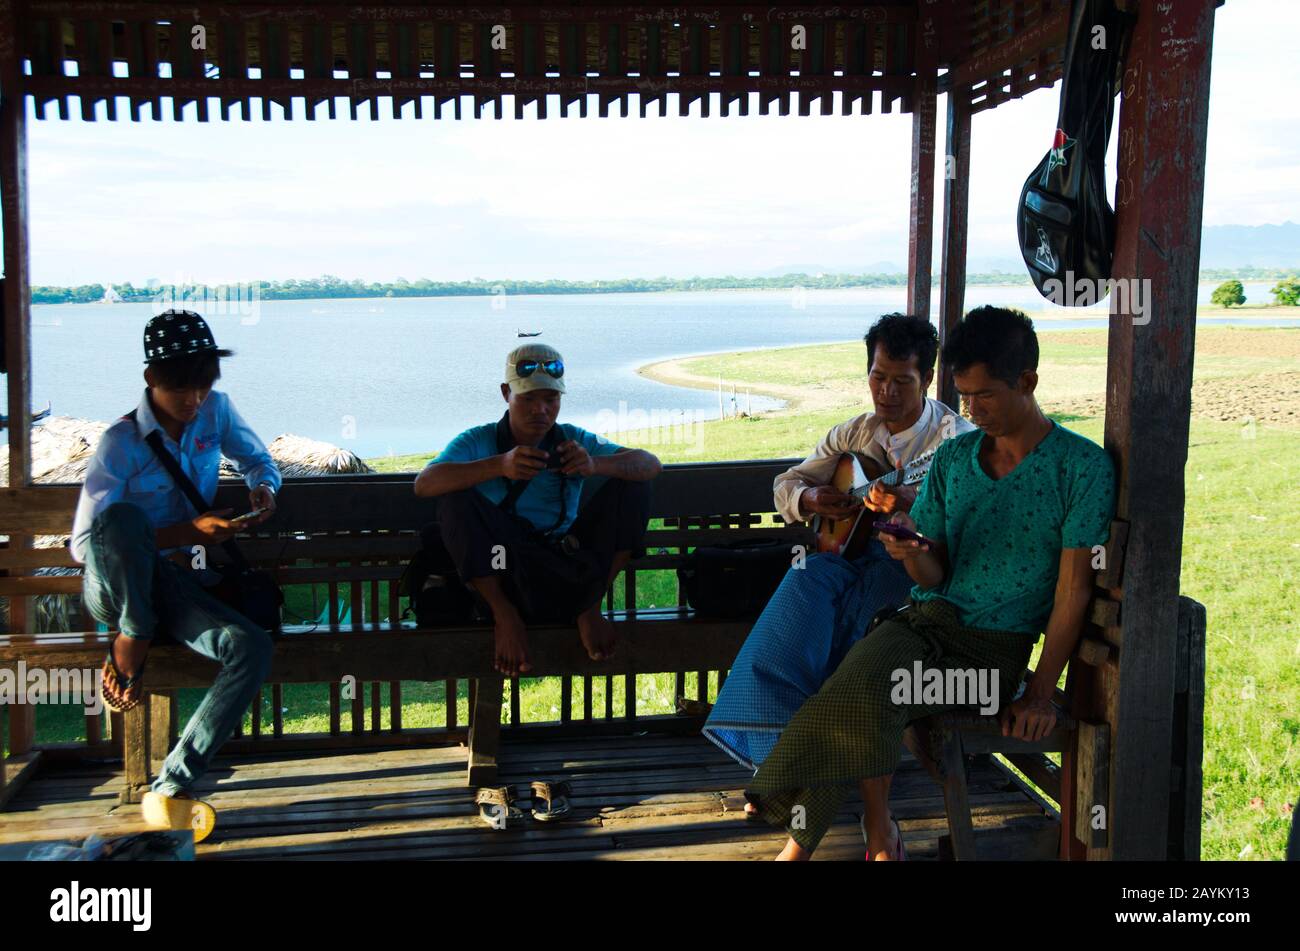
x: 1005, y: 536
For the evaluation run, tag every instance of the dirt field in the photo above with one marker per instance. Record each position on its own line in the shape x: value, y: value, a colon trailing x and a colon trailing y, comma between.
x: 1241, y: 375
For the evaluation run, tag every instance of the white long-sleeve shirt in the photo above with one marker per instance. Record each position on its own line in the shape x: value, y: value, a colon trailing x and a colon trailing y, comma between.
x: 866, y: 435
x: 125, y: 469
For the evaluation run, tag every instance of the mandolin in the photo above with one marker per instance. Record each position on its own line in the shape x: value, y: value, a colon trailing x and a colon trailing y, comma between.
x: 848, y: 537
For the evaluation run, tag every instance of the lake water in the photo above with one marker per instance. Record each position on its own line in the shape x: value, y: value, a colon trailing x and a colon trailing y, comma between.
x: 383, y: 376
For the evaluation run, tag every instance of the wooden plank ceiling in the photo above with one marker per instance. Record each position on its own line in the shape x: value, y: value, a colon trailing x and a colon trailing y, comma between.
x: 293, y: 59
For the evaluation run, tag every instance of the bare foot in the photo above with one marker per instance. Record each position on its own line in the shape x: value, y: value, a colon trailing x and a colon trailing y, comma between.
x: 793, y: 852
x: 511, y: 643
x: 597, y: 634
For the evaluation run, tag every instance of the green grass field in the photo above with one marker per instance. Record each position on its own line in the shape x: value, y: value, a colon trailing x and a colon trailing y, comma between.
x: 1240, y: 555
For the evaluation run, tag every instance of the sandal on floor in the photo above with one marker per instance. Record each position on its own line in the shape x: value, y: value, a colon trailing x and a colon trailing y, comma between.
x: 496, y: 806
x: 693, y: 708
x: 551, y: 800
x: 900, y: 853
x: 178, y: 812
x: 116, y: 684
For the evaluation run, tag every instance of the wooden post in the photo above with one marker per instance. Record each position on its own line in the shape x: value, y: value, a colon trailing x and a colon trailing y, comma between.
x: 484, y: 731
x: 162, y: 724
x: 956, y: 207
x: 1189, y: 730
x: 920, y: 241
x: 135, y: 751
x: 17, y: 318
x: 1159, y: 187
x: 956, y: 797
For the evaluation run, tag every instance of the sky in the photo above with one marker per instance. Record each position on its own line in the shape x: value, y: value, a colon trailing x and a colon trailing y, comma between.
x: 585, y: 199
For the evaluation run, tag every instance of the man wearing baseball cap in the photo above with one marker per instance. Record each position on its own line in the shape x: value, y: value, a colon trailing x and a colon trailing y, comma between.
x: 518, y: 522
x: 137, y: 535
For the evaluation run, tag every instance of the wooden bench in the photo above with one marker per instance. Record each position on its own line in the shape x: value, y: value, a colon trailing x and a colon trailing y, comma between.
x: 353, y: 535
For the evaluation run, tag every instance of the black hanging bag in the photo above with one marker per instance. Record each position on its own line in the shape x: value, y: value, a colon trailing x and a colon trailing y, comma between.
x: 1065, y: 221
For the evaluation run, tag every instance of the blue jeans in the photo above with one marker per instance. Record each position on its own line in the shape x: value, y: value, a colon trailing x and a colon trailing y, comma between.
x: 131, y: 589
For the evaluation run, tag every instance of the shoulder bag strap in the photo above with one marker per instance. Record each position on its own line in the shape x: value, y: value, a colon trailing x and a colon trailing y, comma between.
x: 200, y: 504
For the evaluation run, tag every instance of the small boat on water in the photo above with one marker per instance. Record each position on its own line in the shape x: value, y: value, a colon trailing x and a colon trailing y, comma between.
x: 36, y: 417
x: 528, y: 333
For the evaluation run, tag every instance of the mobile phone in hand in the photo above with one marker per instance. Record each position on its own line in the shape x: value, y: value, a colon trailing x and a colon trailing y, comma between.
x: 901, y: 532
x: 248, y: 516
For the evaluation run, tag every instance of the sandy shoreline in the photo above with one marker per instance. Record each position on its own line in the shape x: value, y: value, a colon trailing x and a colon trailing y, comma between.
x: 797, y: 398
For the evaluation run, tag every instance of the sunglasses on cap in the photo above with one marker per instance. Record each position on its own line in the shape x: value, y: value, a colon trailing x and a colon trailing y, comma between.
x: 552, y: 368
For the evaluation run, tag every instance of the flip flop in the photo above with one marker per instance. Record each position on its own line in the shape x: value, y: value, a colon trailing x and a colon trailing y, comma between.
x: 178, y: 812
x: 553, y: 800
x: 900, y: 853
x: 116, y: 684
x: 693, y: 708
x: 496, y: 806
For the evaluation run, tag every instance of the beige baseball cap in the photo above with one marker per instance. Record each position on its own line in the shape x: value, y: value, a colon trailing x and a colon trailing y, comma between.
x: 539, y: 379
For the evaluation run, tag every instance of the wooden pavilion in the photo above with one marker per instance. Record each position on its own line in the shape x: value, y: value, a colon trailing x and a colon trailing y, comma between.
x: 1128, y: 785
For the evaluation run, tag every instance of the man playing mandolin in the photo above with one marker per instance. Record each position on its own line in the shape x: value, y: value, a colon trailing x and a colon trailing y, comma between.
x: 824, y: 604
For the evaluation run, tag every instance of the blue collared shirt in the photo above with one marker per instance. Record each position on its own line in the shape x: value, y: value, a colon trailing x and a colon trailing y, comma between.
x: 548, y: 494
x: 125, y: 469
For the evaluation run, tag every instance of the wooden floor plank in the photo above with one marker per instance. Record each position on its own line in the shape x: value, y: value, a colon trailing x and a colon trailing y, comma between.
x: 635, y: 797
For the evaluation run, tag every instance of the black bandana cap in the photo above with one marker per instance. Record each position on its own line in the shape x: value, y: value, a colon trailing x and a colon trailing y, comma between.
x: 176, y: 333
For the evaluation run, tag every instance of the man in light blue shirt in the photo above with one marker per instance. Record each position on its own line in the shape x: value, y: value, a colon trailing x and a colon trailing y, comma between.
x: 512, y: 521
x: 140, y: 541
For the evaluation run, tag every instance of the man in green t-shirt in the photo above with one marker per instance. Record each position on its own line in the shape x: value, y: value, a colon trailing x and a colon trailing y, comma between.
x: 1010, y: 519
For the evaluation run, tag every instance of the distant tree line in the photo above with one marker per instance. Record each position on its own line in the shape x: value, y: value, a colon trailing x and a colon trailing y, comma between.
x: 329, y: 286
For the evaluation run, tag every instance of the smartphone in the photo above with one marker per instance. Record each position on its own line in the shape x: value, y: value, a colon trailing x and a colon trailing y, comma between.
x: 901, y: 532
x: 247, y: 516
x: 553, y: 461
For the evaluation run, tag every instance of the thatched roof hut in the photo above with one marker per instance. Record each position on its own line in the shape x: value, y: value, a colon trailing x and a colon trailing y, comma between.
x: 300, y: 456
x: 63, y: 446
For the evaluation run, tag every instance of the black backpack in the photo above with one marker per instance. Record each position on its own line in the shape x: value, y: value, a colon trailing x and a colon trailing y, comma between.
x: 1065, y: 222
x: 735, y: 580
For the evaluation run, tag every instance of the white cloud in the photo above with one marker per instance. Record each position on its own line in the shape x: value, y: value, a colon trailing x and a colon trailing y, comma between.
x: 590, y: 197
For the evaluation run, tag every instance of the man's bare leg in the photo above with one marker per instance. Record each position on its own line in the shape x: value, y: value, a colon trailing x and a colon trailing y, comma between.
x: 793, y: 852
x: 881, y: 840
x: 511, y: 636
x: 597, y: 633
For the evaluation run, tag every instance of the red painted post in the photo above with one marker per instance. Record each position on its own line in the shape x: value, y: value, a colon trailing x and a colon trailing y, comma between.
x: 956, y: 207
x: 17, y: 310
x: 1159, y: 188
x: 920, y: 241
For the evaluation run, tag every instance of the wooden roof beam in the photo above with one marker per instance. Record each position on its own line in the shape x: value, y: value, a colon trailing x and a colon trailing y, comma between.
x: 1041, y: 35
